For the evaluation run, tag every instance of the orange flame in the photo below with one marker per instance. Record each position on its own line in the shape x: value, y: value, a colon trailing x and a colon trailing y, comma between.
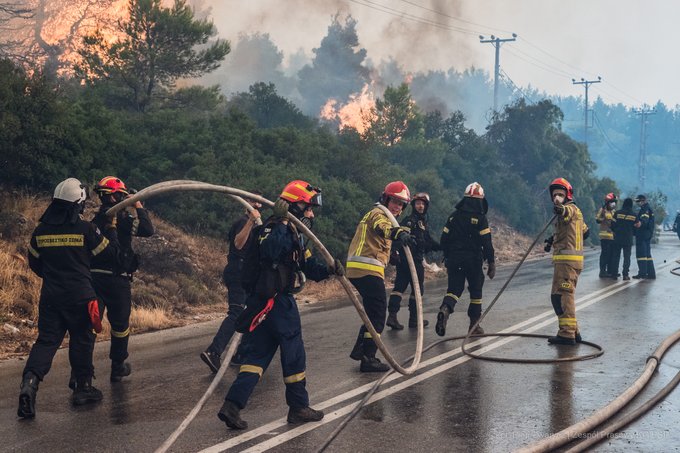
x: 357, y: 113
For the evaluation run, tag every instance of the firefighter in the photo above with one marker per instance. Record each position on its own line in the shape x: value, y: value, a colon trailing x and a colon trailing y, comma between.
x: 271, y: 318
x: 567, y: 243
x: 367, y: 257
x: 605, y: 217
x: 112, y: 281
x: 676, y: 223
x: 623, y: 238
x: 60, y: 252
x: 644, y: 231
x: 417, y: 223
x: 240, y: 238
x: 466, y: 242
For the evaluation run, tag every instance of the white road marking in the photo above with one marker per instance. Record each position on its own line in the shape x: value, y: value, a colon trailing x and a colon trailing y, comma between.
x: 581, y: 303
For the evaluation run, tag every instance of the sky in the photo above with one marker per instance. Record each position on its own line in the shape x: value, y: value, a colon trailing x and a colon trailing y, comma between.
x: 629, y: 43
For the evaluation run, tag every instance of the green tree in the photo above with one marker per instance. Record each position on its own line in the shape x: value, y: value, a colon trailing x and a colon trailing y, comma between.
x: 393, y: 116
x: 156, y: 46
x: 268, y: 109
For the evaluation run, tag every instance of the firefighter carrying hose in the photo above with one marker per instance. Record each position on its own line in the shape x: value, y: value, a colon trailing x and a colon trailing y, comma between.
x: 466, y: 242
x: 606, y: 217
x: 271, y: 319
x: 368, y: 255
x: 240, y: 239
x: 112, y: 281
x: 567, y: 244
x: 60, y: 252
x: 417, y: 223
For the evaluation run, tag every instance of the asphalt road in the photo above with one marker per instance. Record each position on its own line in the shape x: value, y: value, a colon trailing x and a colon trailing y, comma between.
x: 452, y: 403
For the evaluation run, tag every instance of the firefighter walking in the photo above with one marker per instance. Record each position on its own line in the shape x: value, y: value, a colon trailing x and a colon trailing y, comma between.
x: 271, y: 319
x: 466, y: 242
x: 567, y: 243
x: 417, y: 224
x: 367, y: 257
x: 605, y: 217
x: 240, y: 239
x: 112, y: 281
x: 60, y: 252
x: 644, y: 231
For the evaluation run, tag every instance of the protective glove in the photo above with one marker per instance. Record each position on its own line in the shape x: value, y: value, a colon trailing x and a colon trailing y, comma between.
x: 395, y: 258
x: 280, y: 210
x: 558, y: 209
x: 548, y: 243
x: 491, y: 272
x: 337, y: 269
x: 405, y: 239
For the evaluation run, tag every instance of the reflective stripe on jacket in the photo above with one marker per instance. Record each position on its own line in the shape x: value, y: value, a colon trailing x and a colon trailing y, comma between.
x: 569, y: 231
x: 369, y: 250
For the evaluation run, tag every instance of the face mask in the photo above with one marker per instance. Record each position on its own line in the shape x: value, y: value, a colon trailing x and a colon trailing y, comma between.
x: 612, y: 204
x: 558, y: 199
x: 306, y: 221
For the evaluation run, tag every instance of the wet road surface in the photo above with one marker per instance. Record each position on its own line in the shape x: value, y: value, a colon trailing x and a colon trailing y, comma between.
x: 452, y: 403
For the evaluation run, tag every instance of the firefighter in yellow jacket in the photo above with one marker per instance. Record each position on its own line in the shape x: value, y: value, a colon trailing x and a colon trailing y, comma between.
x: 368, y: 255
x: 605, y: 216
x: 567, y: 243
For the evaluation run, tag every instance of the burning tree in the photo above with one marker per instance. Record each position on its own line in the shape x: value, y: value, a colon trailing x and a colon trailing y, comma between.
x: 393, y: 115
x: 47, y: 33
x: 154, y: 47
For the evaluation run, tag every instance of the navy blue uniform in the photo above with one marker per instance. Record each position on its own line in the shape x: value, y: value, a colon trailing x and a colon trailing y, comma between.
x: 623, y: 240
x: 643, y: 242
x: 466, y: 242
x: 418, y: 227
x: 60, y: 253
x: 112, y: 279
x: 279, y: 254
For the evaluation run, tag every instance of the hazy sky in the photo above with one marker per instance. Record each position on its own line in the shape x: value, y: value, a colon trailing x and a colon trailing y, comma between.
x: 627, y: 42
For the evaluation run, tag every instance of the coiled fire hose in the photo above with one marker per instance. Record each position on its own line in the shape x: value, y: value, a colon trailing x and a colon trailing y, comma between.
x: 465, y: 339
x: 187, y: 185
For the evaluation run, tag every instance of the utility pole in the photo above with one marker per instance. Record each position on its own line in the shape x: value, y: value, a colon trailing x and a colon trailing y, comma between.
x: 643, y: 113
x: 586, y: 84
x: 497, y: 42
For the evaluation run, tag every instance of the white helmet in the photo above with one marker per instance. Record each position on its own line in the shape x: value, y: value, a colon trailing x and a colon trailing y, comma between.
x: 474, y: 190
x: 70, y: 190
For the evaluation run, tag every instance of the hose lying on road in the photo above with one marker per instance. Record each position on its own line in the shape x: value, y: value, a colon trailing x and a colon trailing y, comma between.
x: 237, y: 194
x: 577, y: 431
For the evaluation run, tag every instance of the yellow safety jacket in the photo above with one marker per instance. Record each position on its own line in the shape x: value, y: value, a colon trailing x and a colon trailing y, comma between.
x: 568, y: 237
x: 605, y: 218
x: 369, y: 250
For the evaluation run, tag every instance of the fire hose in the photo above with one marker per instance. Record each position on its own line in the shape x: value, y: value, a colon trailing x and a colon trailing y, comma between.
x: 599, y: 350
x: 237, y: 194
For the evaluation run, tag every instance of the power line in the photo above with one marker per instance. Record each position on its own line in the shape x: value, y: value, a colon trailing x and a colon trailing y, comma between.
x: 540, y: 66
x: 607, y: 140
x: 524, y: 95
x: 453, y: 17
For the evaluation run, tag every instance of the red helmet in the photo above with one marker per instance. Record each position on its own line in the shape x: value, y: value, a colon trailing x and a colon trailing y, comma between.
x: 396, y: 190
x: 110, y: 185
x: 610, y: 197
x: 561, y: 183
x: 474, y: 190
x: 301, y: 191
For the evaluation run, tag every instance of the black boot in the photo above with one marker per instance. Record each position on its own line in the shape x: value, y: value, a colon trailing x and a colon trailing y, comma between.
x: 578, y: 338
x: 373, y: 365
x: 84, y: 393
x: 72, y: 380
x: 304, y: 415
x: 358, y: 350
x: 413, y: 323
x: 393, y: 322
x: 442, y: 319
x: 212, y: 359
x: 478, y: 330
x: 562, y: 340
x: 27, y: 395
x: 229, y: 414
x: 119, y: 370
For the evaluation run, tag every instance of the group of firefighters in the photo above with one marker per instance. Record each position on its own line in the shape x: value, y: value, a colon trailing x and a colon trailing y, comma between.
x: 88, y: 266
